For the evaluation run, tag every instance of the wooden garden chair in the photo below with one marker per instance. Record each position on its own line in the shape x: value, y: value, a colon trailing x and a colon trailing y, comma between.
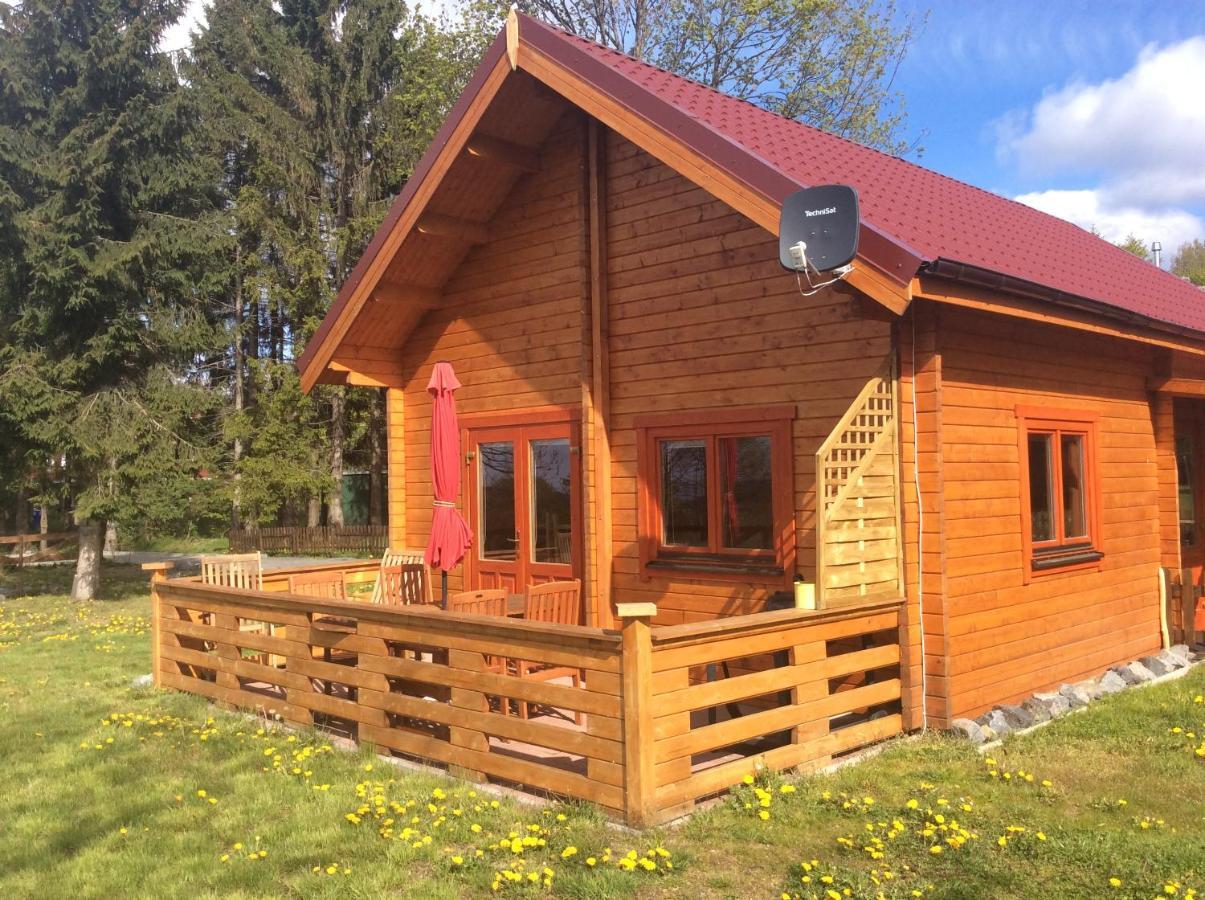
x: 483, y: 603
x: 402, y: 585
x: 560, y: 603
x: 391, y: 560
x: 479, y: 603
x: 241, y: 572
x: 327, y: 585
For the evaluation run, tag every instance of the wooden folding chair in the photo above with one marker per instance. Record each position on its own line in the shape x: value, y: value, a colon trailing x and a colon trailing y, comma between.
x: 483, y: 603
x: 403, y: 584
x: 242, y: 572
x: 558, y: 602
x: 328, y: 585
x: 391, y: 560
x: 479, y: 603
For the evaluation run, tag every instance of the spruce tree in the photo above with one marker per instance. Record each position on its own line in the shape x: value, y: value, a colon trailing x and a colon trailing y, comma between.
x: 103, y: 290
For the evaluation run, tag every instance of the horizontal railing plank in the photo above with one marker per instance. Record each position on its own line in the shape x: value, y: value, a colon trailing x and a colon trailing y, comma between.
x: 769, y: 681
x: 770, y: 721
x: 500, y: 765
x: 561, y: 696
x: 719, y: 648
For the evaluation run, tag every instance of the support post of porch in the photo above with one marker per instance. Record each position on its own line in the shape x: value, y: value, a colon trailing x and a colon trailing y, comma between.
x: 636, y: 679
x: 158, y: 572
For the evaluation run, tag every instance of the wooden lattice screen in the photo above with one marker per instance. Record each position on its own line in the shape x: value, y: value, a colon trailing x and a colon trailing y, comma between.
x: 858, y: 550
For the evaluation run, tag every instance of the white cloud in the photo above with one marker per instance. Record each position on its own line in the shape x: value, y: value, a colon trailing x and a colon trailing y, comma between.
x: 1139, y: 138
x: 1087, y: 209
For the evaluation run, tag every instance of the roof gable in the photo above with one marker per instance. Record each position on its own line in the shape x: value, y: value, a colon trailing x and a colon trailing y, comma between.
x: 914, y: 220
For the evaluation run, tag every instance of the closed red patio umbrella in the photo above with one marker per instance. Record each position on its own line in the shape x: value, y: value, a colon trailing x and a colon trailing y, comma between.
x: 450, y: 534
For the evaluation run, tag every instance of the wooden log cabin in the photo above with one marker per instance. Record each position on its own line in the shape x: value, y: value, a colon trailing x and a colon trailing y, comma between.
x: 995, y: 415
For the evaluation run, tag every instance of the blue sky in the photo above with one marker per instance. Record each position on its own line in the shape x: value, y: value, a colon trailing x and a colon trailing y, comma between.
x: 1093, y: 111
x: 1089, y: 110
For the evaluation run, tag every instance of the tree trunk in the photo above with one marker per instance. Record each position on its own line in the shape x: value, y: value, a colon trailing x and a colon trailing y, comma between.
x: 87, y: 566
x: 44, y: 522
x: 376, y: 470
x: 110, y: 538
x: 313, y: 511
x: 239, y: 399
x: 334, y: 516
x: 22, y: 511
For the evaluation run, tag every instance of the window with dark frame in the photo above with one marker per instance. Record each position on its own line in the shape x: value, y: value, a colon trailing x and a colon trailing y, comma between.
x: 1062, y: 488
x: 1186, y: 492
x: 717, y: 492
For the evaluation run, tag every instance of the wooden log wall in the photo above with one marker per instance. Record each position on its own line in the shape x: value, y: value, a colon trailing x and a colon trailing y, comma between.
x: 702, y: 316
x: 510, y: 322
x: 1005, y: 638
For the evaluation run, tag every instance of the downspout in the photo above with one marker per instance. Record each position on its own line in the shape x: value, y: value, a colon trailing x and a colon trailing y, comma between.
x: 920, y: 538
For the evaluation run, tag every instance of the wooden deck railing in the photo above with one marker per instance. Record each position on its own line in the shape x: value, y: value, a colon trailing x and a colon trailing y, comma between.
x: 659, y: 728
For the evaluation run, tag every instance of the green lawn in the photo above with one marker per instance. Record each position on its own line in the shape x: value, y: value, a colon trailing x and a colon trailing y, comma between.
x: 111, y: 791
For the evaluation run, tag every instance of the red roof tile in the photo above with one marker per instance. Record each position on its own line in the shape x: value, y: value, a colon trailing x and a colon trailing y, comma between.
x: 928, y: 215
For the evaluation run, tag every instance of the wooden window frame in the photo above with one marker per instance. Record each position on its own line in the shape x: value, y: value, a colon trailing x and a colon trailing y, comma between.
x: 1060, y: 555
x: 775, y: 565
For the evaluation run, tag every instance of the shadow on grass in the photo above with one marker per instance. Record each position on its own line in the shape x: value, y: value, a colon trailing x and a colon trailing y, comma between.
x: 117, y: 582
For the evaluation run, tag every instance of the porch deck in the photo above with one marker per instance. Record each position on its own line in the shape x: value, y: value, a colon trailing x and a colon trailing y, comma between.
x: 668, y: 715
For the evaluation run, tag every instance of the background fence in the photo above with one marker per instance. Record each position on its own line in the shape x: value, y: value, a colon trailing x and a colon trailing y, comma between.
x: 350, y: 540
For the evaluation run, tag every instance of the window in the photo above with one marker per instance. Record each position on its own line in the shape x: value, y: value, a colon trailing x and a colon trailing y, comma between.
x: 1061, y: 489
x: 717, y: 493
x: 1184, y: 484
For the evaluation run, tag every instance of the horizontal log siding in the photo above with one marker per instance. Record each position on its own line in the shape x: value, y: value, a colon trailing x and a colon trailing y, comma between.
x: 1006, y: 639
x: 511, y: 321
x: 701, y: 315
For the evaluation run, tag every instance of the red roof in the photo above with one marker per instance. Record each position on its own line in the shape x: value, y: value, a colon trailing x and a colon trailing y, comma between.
x: 928, y: 217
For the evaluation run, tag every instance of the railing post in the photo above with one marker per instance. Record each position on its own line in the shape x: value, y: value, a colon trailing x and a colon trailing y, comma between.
x: 636, y: 679
x: 158, y: 572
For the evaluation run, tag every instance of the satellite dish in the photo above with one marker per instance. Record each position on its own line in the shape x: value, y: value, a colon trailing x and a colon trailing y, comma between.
x: 824, y: 220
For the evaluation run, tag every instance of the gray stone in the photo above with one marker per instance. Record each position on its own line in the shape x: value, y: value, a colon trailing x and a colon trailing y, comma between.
x: 1125, y: 674
x: 1111, y: 683
x: 999, y: 723
x: 1135, y: 673
x: 1157, y: 666
x: 142, y: 681
x: 1172, y: 660
x: 1075, y: 695
x: 1056, y: 704
x: 968, y: 729
x: 1038, y: 709
x: 1059, y: 706
x: 1182, y: 651
x: 989, y: 734
x: 1018, y: 717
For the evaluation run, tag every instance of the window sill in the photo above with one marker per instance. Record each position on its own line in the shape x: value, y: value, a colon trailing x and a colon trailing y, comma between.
x: 1065, y: 561
x: 717, y: 569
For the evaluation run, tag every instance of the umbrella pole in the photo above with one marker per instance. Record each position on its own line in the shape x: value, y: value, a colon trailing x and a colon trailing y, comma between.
x: 443, y: 577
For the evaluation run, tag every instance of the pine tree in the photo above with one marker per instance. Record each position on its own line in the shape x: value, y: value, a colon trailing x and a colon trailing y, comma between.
x: 103, y: 288
x: 319, y: 110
